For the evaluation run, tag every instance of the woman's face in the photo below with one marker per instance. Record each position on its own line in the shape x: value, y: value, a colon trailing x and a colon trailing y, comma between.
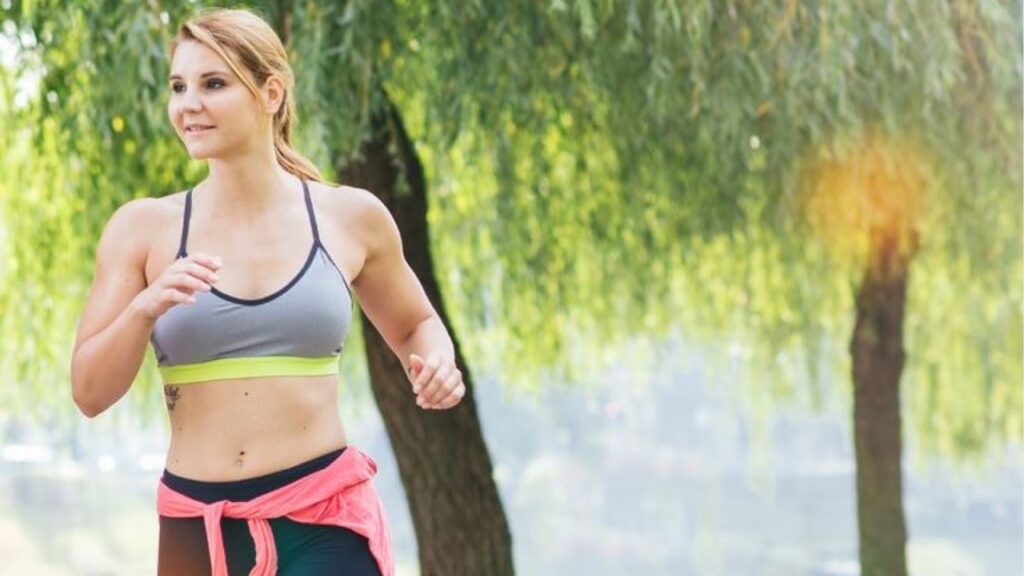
x: 213, y: 113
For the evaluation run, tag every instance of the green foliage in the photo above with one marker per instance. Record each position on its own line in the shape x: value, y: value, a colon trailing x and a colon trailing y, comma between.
x: 666, y: 159
x: 598, y: 169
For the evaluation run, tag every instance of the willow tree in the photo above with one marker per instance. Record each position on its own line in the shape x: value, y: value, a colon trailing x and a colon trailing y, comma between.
x: 765, y: 173
x: 767, y: 170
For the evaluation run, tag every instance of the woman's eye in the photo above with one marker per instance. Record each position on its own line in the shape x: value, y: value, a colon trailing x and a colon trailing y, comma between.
x: 179, y: 87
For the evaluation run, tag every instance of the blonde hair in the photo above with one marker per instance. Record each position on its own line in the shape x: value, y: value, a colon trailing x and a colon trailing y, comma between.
x: 244, y: 40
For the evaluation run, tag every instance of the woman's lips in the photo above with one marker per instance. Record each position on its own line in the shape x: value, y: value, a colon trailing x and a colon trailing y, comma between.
x: 197, y: 130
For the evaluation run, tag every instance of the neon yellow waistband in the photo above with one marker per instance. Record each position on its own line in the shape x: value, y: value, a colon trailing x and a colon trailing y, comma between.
x: 257, y: 367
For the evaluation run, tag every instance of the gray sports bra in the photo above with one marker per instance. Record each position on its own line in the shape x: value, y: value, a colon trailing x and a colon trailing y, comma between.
x: 298, y: 330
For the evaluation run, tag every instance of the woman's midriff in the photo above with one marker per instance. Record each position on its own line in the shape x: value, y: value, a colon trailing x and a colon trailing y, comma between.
x: 229, y: 430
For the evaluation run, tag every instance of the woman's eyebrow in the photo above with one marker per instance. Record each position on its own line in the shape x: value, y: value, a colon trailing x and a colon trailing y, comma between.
x: 203, y: 75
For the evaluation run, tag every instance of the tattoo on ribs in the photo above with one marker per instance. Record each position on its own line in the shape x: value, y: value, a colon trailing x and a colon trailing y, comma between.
x: 171, y: 395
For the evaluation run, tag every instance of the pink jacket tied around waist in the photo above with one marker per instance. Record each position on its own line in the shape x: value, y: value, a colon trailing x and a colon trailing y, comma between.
x: 339, y: 495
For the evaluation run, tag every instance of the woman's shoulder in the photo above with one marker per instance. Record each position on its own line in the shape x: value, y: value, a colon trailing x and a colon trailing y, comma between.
x: 136, y: 223
x: 339, y: 196
x: 144, y: 212
x: 353, y: 208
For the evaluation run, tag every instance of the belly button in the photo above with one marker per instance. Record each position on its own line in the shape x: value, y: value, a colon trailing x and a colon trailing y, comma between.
x: 240, y: 461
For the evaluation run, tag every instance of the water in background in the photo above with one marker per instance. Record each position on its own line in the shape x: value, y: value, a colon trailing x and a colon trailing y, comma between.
x: 666, y: 474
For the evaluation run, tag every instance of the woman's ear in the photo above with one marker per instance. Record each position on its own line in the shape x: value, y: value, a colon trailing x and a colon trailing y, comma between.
x: 273, y: 95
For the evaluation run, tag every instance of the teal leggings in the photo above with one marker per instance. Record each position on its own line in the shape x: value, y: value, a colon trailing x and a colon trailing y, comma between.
x: 302, y: 549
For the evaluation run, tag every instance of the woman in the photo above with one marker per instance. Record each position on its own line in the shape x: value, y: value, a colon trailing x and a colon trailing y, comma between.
x: 258, y: 477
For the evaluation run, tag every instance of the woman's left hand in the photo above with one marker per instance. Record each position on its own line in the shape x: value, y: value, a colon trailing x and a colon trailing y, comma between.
x: 437, y: 382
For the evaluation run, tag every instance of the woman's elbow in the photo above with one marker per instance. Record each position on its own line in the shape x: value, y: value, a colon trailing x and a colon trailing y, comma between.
x: 88, y: 410
x: 86, y: 405
x: 85, y: 401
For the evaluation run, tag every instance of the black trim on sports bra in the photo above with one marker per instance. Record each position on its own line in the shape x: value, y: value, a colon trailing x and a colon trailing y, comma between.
x: 184, y: 224
x: 268, y: 298
x: 317, y: 242
x: 312, y: 215
x: 183, y: 252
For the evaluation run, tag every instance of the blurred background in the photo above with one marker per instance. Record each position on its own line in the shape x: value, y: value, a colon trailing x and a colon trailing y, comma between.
x: 737, y: 285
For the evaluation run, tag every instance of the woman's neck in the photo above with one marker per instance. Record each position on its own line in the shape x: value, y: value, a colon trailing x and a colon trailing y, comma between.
x: 247, y: 185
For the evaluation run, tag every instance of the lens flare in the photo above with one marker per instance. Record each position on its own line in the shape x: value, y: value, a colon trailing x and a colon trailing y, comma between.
x: 867, y: 194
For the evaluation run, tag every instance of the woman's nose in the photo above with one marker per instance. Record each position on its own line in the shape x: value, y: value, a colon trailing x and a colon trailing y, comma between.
x: 190, y: 100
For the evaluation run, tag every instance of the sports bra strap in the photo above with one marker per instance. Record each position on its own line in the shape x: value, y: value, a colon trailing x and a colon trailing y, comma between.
x: 312, y: 215
x: 184, y: 224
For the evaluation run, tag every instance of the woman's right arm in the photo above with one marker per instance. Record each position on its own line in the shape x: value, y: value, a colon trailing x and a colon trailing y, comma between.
x: 121, y: 310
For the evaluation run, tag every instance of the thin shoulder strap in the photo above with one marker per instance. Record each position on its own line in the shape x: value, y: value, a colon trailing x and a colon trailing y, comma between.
x: 312, y: 215
x: 184, y: 224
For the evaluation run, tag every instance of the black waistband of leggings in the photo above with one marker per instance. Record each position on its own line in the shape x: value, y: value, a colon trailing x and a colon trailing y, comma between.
x: 249, y: 488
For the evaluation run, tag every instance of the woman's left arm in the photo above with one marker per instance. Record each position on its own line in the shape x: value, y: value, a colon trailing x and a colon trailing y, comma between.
x: 394, y: 301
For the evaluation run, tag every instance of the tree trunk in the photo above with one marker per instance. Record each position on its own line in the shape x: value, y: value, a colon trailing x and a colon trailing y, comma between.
x: 878, y: 358
x: 442, y: 458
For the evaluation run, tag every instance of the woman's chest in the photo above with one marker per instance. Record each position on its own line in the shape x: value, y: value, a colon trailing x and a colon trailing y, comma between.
x: 254, y: 264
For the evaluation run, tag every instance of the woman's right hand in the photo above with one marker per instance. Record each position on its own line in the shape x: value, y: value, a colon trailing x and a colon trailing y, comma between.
x: 177, y: 284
